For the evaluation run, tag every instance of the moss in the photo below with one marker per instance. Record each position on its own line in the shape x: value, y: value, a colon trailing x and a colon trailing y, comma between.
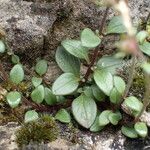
x: 138, y: 80
x: 43, y: 130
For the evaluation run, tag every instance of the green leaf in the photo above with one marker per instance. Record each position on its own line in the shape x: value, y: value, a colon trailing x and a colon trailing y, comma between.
x: 2, y: 47
x: 114, y: 118
x: 75, y: 48
x: 36, y: 81
x: 103, y: 117
x: 129, y: 132
x: 141, y: 129
x: 38, y: 94
x: 88, y: 91
x: 146, y: 67
x: 95, y: 126
x: 13, y: 99
x: 89, y: 38
x: 119, y: 84
x: 67, y: 62
x: 104, y: 80
x: 50, y: 98
x: 133, y: 103
x: 41, y: 67
x: 31, y: 115
x: 84, y: 110
x: 110, y: 63
x: 63, y: 116
x: 17, y: 74
x: 145, y: 48
x: 15, y: 59
x: 97, y: 93
x: 66, y: 84
x: 116, y: 25
x: 141, y: 36
x: 115, y: 96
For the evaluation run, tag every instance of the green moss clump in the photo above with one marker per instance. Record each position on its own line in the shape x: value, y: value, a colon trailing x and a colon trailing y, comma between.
x: 43, y: 130
x: 138, y: 81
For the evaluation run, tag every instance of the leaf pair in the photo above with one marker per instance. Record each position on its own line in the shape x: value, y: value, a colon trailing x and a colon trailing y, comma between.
x: 139, y: 128
x: 80, y: 49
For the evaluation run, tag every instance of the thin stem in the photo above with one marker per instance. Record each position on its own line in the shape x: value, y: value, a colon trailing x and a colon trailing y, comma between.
x: 96, y: 51
x: 146, y: 99
x: 131, y: 76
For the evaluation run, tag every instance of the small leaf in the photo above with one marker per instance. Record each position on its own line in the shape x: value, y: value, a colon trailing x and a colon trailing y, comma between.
x: 50, y: 98
x: 114, y: 118
x: 116, y: 25
x: 31, y: 115
x: 84, y: 110
x: 133, y: 103
x: 145, y: 48
x: 119, y: 84
x: 95, y: 126
x: 67, y: 83
x: 89, y: 38
x: 141, y: 36
x: 13, y: 99
x: 67, y: 62
x: 110, y: 63
x: 115, y: 96
x: 38, y: 94
x: 17, y: 74
x: 2, y: 47
x: 63, y: 116
x: 103, y: 118
x: 146, y: 67
x: 129, y: 132
x: 36, y: 81
x: 104, y: 80
x: 75, y: 48
x: 41, y: 67
x: 88, y: 91
x: 15, y: 59
x: 141, y: 129
x: 98, y: 94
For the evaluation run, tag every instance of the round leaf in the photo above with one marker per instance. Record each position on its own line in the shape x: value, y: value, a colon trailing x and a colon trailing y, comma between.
x: 129, y: 132
x: 15, y: 59
x: 88, y: 91
x: 114, y: 118
x: 110, y: 63
x: 115, y: 96
x: 95, y: 126
x: 141, y: 129
x: 67, y: 83
x: 84, y: 110
x: 75, y: 48
x: 31, y: 115
x: 98, y: 94
x: 89, y: 38
x: 141, y: 36
x: 13, y: 99
x: 17, y: 74
x: 63, y: 116
x: 119, y: 84
x: 133, y: 103
x: 145, y: 48
x: 2, y: 47
x: 50, y: 98
x: 38, y: 94
x: 36, y: 81
x: 104, y: 80
x: 67, y: 62
x: 116, y: 25
x: 103, y: 118
x: 146, y: 67
x: 41, y: 67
